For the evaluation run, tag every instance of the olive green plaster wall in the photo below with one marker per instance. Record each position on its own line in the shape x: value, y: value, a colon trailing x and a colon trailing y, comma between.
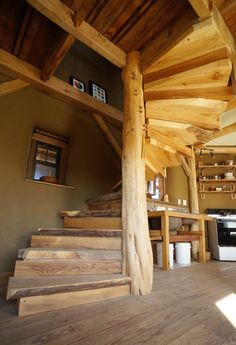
x: 177, y: 185
x: 92, y: 168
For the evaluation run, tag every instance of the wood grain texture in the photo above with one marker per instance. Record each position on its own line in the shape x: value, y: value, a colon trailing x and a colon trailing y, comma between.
x: 55, y: 87
x: 80, y: 232
x: 33, y: 305
x: 9, y: 87
x: 66, y: 267
x: 48, y: 285
x: 180, y: 310
x: 63, y: 254
x: 68, y: 242
x: 137, y: 249
x: 93, y: 222
x: 63, y: 16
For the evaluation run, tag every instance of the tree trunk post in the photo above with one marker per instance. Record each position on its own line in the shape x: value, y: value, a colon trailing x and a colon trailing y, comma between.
x: 136, y: 242
x: 193, y: 198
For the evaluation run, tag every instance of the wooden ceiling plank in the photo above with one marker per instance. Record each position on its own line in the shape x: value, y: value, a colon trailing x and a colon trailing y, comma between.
x: 15, y: 67
x: 22, y: 30
x: 166, y: 159
x: 109, y: 13
x: 148, y: 25
x: 169, y: 37
x: 224, y: 93
x: 156, y: 168
x: 63, y: 16
x: 201, y: 7
x: 11, y: 86
x: 174, y: 144
x: 108, y: 135
x: 214, y: 74
x: 56, y: 55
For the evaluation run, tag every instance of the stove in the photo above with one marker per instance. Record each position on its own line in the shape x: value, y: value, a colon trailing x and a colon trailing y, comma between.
x: 222, y: 234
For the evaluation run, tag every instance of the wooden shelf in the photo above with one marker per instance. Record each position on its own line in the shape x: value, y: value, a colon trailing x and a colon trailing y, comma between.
x: 216, y: 191
x: 216, y: 166
x: 217, y: 180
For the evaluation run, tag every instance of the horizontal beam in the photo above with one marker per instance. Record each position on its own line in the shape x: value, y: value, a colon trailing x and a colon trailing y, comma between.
x: 226, y: 130
x: 11, y: 86
x: 11, y: 65
x: 67, y: 19
x: 224, y: 93
x: 218, y: 149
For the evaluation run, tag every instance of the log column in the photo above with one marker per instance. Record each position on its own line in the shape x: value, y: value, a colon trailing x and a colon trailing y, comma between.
x: 193, y: 198
x: 137, y: 246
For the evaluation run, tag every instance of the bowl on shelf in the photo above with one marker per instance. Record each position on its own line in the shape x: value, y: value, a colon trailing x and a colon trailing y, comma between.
x: 48, y: 179
x: 229, y: 175
x: 229, y: 162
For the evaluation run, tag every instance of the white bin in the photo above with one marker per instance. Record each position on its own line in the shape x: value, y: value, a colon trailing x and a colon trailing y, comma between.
x: 183, y: 253
x: 159, y: 255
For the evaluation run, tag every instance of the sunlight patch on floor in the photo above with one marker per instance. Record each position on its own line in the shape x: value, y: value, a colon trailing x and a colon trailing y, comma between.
x: 227, y: 306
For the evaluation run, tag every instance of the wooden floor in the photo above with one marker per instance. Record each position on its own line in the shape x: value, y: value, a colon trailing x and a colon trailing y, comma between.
x: 180, y: 311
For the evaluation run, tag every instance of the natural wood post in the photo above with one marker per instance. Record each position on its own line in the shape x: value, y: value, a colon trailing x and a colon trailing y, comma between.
x: 137, y: 246
x: 193, y: 198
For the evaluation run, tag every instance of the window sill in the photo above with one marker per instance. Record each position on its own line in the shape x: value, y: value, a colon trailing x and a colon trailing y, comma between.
x: 51, y: 184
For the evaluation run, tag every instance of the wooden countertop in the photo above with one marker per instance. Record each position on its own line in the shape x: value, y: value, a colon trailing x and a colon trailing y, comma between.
x: 153, y: 214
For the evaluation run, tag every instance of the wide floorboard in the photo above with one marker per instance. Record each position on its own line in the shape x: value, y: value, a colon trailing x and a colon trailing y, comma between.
x: 181, y: 310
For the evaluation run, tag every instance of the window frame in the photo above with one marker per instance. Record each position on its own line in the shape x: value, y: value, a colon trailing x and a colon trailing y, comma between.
x: 59, y: 142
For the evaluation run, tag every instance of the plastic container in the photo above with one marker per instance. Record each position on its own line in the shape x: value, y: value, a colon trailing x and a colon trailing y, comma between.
x: 171, y: 255
x: 183, y: 253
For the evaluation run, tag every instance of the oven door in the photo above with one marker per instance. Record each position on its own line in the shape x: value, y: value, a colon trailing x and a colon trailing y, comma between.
x: 226, y: 233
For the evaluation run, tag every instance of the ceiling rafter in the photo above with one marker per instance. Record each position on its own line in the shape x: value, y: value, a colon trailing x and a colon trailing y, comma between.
x: 201, y: 7
x: 67, y: 19
x: 16, y: 68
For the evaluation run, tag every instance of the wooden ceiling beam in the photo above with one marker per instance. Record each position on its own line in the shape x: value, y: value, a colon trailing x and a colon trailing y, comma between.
x: 68, y: 20
x: 224, y: 93
x: 231, y: 105
x: 22, y: 30
x: 169, y: 37
x: 16, y: 68
x: 201, y: 7
x: 11, y: 86
x: 217, y: 149
x: 185, y: 165
x: 108, y: 135
x: 56, y: 55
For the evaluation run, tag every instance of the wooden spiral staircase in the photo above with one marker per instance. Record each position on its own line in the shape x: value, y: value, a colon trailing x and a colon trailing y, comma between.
x: 186, y: 90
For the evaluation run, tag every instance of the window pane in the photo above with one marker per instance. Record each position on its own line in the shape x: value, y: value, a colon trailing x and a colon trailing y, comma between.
x: 41, y: 153
x: 52, y: 156
x: 44, y: 170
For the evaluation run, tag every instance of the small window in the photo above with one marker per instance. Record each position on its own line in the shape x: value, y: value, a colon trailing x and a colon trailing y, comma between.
x: 156, y: 188
x: 47, y: 158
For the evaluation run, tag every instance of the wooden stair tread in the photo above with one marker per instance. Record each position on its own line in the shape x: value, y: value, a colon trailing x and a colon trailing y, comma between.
x: 91, y: 213
x: 72, y: 242
x: 35, y: 286
x: 105, y: 197
x: 66, y: 267
x: 38, y: 253
x: 80, y: 232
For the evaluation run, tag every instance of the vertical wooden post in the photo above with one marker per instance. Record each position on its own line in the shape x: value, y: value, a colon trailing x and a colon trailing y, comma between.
x: 193, y: 198
x: 202, y: 242
x: 137, y: 246
x: 165, y: 232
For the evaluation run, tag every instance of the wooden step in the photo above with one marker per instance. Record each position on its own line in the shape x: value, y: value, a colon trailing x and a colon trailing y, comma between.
x: 60, y: 254
x: 92, y: 213
x: 111, y: 201
x: 19, y: 287
x: 93, y: 222
x: 80, y: 232
x: 69, y: 242
x: 65, y: 267
x: 39, y: 304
